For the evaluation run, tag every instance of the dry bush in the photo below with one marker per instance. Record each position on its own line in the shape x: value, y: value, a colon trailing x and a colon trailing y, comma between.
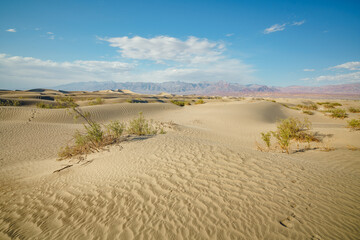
x: 311, y: 106
x: 308, y: 112
x: 290, y: 129
x: 9, y: 102
x: 200, y: 101
x: 60, y: 102
x: 179, y: 103
x: 97, y: 101
x: 338, y: 113
x: 354, y: 110
x: 353, y: 148
x: 354, y: 124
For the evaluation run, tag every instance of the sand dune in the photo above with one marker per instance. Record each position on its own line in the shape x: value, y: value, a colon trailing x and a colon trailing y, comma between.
x: 202, y: 180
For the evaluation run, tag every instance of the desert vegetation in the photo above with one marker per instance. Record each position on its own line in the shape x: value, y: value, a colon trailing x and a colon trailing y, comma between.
x: 310, y: 106
x: 95, y: 136
x: 354, y: 124
x: 60, y: 102
x: 97, y: 101
x: 308, y: 112
x: 329, y: 104
x: 338, y: 113
x: 289, y: 130
x: 354, y: 109
x: 9, y: 102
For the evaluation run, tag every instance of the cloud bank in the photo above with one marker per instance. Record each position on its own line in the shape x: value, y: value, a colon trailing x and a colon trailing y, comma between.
x: 172, y: 59
x: 352, y: 75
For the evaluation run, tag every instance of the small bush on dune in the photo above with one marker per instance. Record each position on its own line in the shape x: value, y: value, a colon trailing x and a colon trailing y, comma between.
x: 200, y: 101
x: 140, y: 126
x: 97, y: 101
x: 330, y: 104
x: 308, y: 112
x: 266, y: 137
x: 179, y: 103
x: 354, y: 124
x: 115, y: 128
x: 61, y: 102
x: 9, y: 103
x: 311, y: 106
x: 354, y: 110
x: 290, y: 129
x: 338, y: 113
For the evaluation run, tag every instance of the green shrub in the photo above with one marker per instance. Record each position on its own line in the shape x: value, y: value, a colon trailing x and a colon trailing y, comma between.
x: 266, y: 137
x: 308, y: 112
x: 9, y: 102
x: 200, y: 101
x: 354, y: 110
x: 329, y: 104
x: 61, y: 102
x: 311, y: 106
x: 140, y: 126
x: 179, y: 103
x: 292, y: 129
x: 354, y: 124
x: 338, y: 113
x: 97, y: 101
x: 115, y: 128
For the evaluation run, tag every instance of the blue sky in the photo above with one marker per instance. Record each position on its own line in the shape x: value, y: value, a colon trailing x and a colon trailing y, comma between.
x: 278, y: 43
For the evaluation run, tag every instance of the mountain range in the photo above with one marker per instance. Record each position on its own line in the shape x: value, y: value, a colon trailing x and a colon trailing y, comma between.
x: 209, y: 88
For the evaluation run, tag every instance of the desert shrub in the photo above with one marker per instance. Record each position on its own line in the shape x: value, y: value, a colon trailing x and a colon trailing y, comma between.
x: 200, y: 101
x: 115, y: 128
x: 179, y: 103
x: 266, y: 137
x: 9, y: 102
x: 354, y: 110
x: 61, y: 102
x: 354, y: 124
x: 97, y: 101
x: 44, y: 105
x: 338, y: 113
x: 311, y: 106
x: 330, y: 104
x: 308, y: 112
x: 289, y: 129
x: 140, y: 126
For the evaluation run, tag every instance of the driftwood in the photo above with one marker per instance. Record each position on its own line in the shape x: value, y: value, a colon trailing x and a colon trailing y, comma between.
x: 67, y: 166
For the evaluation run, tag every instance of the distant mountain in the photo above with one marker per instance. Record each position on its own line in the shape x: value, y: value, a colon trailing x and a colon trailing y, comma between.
x: 209, y: 88
x: 215, y: 88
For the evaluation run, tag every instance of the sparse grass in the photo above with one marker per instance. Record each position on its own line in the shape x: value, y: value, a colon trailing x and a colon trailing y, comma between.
x: 179, y: 103
x: 97, y: 101
x: 338, y: 113
x: 354, y: 124
x: 308, y: 112
x: 9, y: 103
x: 354, y: 110
x: 61, y: 102
x: 311, y: 106
x: 200, y: 101
x: 330, y: 104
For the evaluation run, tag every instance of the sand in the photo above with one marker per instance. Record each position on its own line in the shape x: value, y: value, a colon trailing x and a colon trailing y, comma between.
x: 204, y: 179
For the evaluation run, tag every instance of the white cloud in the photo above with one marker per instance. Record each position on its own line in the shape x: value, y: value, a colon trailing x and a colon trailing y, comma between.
x: 191, y: 60
x: 50, y: 33
x: 229, y: 34
x: 163, y: 48
x: 309, y: 70
x: 349, y: 66
x: 281, y: 27
x: 275, y: 28
x: 339, y: 78
x: 298, y: 23
x: 11, y: 30
x: 52, y: 37
x: 28, y: 72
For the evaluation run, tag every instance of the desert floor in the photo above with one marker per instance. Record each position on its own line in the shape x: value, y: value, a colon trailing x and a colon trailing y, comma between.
x: 203, y: 179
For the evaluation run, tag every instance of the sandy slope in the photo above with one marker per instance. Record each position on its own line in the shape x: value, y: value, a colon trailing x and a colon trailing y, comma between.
x: 203, y: 180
